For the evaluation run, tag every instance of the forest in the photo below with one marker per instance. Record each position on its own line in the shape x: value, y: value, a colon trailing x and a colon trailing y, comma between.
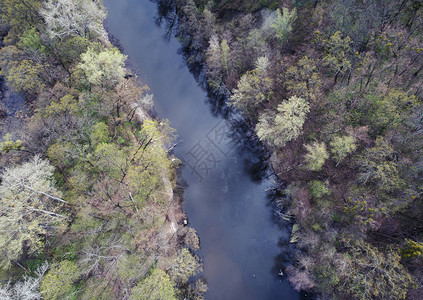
x: 334, y: 90
x: 89, y: 208
x: 88, y: 193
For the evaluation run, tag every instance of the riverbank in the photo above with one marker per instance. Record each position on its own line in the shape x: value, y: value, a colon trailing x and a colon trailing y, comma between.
x: 96, y: 209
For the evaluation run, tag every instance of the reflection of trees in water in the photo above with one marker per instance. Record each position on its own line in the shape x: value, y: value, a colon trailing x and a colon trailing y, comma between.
x: 191, y: 49
x: 166, y: 16
x: 13, y: 110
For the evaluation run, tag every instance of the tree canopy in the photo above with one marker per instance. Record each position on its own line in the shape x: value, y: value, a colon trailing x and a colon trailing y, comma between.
x: 20, y: 14
x: 104, y: 68
x: 253, y: 88
x: 283, y: 23
x: 316, y: 156
x: 68, y: 18
x: 279, y: 128
x: 157, y: 286
x: 31, y: 205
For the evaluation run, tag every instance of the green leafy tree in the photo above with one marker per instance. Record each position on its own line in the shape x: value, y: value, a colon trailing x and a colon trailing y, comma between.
x: 226, y: 55
x: 99, y: 134
x: 67, y: 18
x: 67, y: 105
x: 151, y: 168
x: 218, y: 58
x: 111, y: 160
x: 388, y: 111
x: 63, y: 154
x: 130, y: 267
x: 256, y: 41
x: 318, y: 189
x: 282, y: 24
x: 20, y: 14
x: 378, y: 166
x: 8, y: 144
x: 184, y: 266
x: 374, y: 274
x: 30, y: 204
x: 58, y: 282
x: 106, y: 68
x: 303, y: 80
x: 342, y: 146
x: 157, y: 286
x: 30, y: 41
x: 25, y: 76
x: 139, y: 173
x: 316, y: 156
x: 411, y: 249
x: 253, y: 89
x: 338, y: 50
x: 286, y: 125
x: 159, y: 132
x: 70, y: 49
x: 9, y: 57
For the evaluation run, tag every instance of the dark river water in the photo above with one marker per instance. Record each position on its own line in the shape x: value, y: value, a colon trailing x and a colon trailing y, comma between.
x: 14, y: 107
x: 225, y: 196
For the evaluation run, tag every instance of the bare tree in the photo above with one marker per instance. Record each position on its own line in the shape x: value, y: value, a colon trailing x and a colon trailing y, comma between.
x: 30, y: 206
x: 27, y: 288
x: 66, y: 18
x: 300, y: 279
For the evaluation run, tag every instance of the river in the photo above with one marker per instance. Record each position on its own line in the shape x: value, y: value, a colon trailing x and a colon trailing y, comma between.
x: 242, y: 247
